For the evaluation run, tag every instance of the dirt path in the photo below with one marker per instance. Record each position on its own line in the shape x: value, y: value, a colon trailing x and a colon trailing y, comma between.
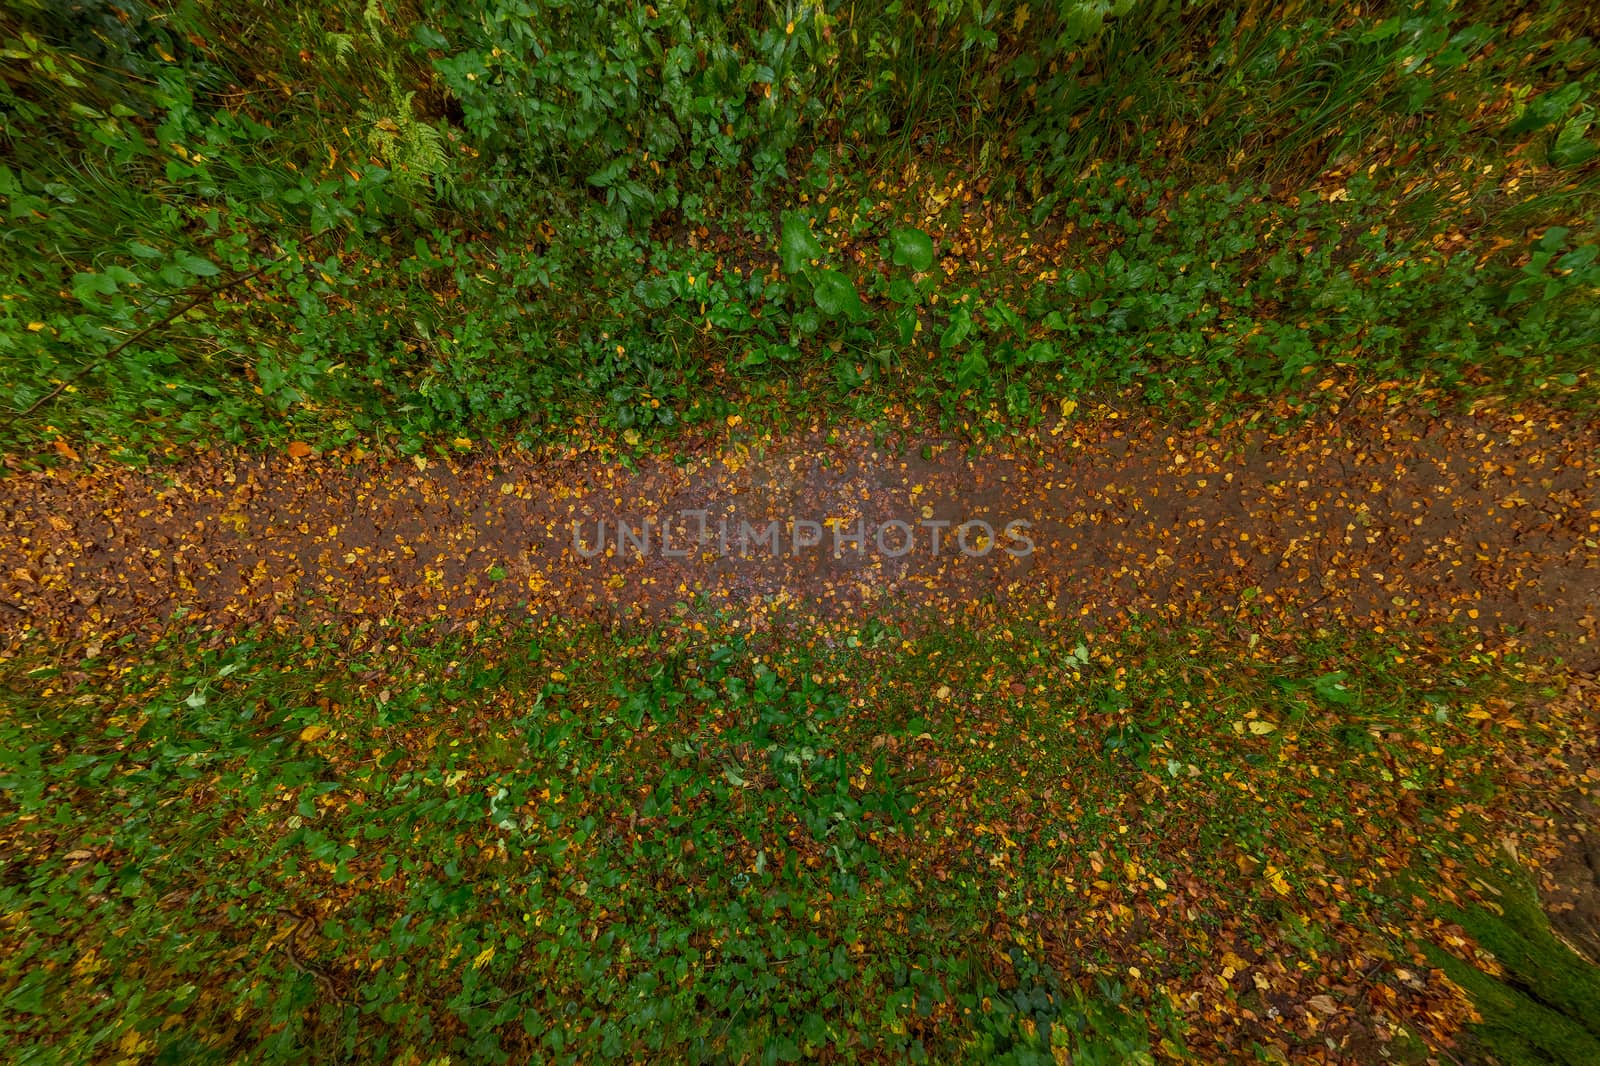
x: 1486, y: 522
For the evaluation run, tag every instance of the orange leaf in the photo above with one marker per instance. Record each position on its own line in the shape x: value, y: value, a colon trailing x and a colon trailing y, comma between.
x: 299, y: 449
x: 66, y: 450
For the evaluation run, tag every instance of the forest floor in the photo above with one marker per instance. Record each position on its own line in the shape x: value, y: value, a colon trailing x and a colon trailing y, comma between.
x: 1213, y: 712
x: 1488, y: 522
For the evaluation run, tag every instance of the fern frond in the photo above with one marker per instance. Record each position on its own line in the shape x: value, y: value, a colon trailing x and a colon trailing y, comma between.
x: 342, y: 44
x: 413, y: 150
x: 374, y: 18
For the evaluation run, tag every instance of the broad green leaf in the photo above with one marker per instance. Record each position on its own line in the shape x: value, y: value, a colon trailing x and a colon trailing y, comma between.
x: 1553, y: 238
x: 906, y: 323
x: 1382, y: 31
x: 960, y: 329
x: 1547, y: 109
x: 974, y: 368
x: 1578, y: 258
x: 836, y: 296
x: 912, y: 248
x: 1332, y: 688
x: 87, y: 285
x: 1573, y: 145
x: 797, y: 247
x: 1042, y: 352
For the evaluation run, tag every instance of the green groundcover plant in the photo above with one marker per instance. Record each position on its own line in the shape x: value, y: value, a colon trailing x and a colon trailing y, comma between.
x: 407, y: 222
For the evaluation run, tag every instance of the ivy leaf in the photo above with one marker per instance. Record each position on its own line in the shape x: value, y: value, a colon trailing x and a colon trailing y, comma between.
x: 797, y: 247
x: 912, y: 248
x: 835, y: 295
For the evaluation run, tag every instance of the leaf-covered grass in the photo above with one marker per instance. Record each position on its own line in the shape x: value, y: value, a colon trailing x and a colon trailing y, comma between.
x: 407, y: 223
x: 416, y: 225
x: 692, y: 843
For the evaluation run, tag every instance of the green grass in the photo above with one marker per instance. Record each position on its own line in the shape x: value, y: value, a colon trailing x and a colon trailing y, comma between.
x: 1541, y: 1003
x: 691, y: 843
